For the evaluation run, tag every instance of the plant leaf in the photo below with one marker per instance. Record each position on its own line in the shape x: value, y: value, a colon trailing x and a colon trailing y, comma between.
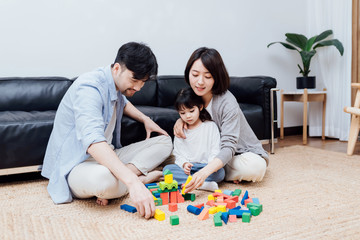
x: 306, y: 59
x: 310, y: 43
x: 288, y: 46
x: 323, y: 35
x: 332, y: 42
x: 296, y: 39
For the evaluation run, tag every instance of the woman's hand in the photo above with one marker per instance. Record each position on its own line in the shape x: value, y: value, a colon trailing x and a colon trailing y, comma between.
x: 179, y: 127
x: 187, y: 167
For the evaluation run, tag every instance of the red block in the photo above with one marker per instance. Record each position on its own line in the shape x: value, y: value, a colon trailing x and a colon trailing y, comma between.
x: 165, y: 198
x: 211, y: 203
x: 232, y: 218
x: 180, y: 198
x: 173, y: 207
x: 248, y: 201
x: 230, y: 204
x: 199, y: 205
x: 234, y: 198
x: 173, y: 197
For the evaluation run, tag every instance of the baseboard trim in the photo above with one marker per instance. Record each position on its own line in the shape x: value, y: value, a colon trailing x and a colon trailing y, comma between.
x: 10, y: 171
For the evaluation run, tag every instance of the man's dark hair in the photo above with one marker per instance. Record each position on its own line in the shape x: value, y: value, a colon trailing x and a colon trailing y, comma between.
x: 187, y: 98
x: 213, y: 62
x: 138, y: 58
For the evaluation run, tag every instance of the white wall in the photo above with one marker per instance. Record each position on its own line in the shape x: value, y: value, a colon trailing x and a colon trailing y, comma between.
x: 67, y: 38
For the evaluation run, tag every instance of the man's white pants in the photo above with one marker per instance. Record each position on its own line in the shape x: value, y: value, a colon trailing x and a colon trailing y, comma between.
x: 247, y: 166
x: 89, y: 178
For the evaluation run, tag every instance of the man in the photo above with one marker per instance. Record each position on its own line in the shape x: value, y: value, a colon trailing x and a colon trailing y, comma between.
x: 80, y: 160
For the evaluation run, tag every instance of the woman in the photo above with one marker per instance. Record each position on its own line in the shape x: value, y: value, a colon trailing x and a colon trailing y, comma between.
x: 240, y: 151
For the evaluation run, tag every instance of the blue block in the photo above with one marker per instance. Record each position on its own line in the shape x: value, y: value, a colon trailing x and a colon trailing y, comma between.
x: 225, y: 217
x: 150, y: 184
x: 246, y: 196
x: 256, y: 200
x: 201, y: 208
x: 157, y: 195
x: 238, y: 213
x: 237, y: 208
x: 128, y: 208
x: 193, y: 210
x: 227, y: 192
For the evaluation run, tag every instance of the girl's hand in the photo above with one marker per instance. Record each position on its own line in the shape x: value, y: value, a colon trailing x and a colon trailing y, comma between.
x: 187, y: 167
x: 178, y: 128
x: 197, y: 181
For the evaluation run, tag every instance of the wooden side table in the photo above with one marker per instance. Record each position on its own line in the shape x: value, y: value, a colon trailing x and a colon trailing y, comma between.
x: 303, y: 96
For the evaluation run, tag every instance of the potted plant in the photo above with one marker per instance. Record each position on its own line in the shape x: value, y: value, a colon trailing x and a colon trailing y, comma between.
x: 306, y: 48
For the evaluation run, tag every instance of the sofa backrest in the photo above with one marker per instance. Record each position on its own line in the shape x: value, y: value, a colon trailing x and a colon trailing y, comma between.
x: 32, y: 93
x: 168, y: 87
x: 147, y: 96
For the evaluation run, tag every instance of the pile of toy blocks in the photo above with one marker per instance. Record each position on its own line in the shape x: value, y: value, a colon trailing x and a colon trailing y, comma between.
x: 224, y: 206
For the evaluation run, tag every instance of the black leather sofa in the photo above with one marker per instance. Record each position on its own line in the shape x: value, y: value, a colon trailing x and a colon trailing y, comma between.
x: 28, y: 106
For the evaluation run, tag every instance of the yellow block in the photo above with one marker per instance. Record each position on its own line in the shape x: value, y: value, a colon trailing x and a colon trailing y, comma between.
x: 219, y: 191
x: 168, y: 178
x: 154, y: 198
x: 159, y: 215
x: 211, y: 197
x: 187, y: 181
x: 221, y: 208
x: 213, y: 210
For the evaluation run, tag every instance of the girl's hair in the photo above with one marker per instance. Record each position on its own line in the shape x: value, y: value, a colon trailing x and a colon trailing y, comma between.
x: 213, y: 62
x: 187, y: 98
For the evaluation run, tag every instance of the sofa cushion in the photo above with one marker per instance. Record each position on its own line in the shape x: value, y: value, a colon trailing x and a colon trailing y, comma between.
x: 32, y: 93
x: 133, y: 131
x: 168, y: 87
x: 146, y: 96
x: 255, y: 117
x: 24, y: 134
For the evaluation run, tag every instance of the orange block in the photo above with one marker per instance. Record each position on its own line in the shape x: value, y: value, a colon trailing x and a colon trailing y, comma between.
x: 199, y: 205
x: 230, y: 204
x: 204, y: 214
x: 249, y: 200
x: 173, y: 207
x: 180, y: 198
x: 173, y: 197
x: 232, y: 218
x: 165, y: 198
x: 211, y: 203
x: 220, y: 199
x: 234, y: 198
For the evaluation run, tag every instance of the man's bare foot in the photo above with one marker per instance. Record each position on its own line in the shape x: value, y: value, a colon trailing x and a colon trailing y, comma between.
x: 236, y: 181
x: 154, y: 176
x: 102, y: 202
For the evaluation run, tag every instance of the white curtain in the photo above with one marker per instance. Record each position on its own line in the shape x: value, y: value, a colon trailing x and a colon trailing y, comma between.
x: 332, y: 71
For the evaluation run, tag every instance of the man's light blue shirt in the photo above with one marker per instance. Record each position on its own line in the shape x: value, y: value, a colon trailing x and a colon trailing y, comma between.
x: 81, y: 119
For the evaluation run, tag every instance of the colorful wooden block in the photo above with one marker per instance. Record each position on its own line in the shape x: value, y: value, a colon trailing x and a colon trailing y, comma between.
x: 165, y: 198
x: 204, y: 214
x: 256, y: 200
x: 255, y: 205
x: 225, y: 217
x: 221, y: 208
x: 246, y: 196
x: 174, y: 220
x: 167, y: 172
x: 194, y: 210
x: 199, y: 205
x: 173, y: 207
x: 168, y: 178
x: 189, y: 196
x: 159, y: 215
x: 173, y: 197
x: 236, y: 192
x: 217, y: 221
x: 187, y: 181
x: 211, y: 197
x: 228, y: 192
x: 128, y: 208
x: 246, y: 217
x: 212, y: 210
x: 249, y: 200
x: 180, y: 197
x: 230, y: 204
x: 211, y: 203
x: 232, y: 218
x: 218, y: 191
x: 254, y: 210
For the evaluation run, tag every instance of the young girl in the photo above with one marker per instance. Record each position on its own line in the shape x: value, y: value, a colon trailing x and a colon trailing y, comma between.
x: 202, y: 142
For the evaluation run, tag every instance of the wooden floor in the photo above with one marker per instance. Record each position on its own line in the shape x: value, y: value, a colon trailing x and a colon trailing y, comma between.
x: 316, y: 142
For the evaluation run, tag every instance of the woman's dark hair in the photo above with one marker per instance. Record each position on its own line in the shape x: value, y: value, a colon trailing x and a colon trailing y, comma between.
x: 186, y: 97
x: 213, y: 62
x: 138, y: 58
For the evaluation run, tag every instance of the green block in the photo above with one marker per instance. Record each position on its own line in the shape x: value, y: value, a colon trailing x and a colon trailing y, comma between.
x: 218, y: 215
x: 217, y: 221
x: 174, y: 220
x: 189, y: 196
x: 163, y: 185
x: 237, y: 192
x: 167, y: 190
x: 167, y: 172
x: 249, y: 205
x: 158, y: 202
x: 246, y: 217
x: 152, y: 187
x: 254, y: 210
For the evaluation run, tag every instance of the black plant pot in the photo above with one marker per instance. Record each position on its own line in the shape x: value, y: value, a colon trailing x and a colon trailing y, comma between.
x: 305, y: 82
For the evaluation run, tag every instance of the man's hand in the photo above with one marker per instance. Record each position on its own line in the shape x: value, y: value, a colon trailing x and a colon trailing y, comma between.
x: 151, y: 126
x: 142, y: 199
x: 187, y: 167
x: 179, y: 127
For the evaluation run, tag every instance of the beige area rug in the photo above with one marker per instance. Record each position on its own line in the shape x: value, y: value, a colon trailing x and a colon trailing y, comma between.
x: 307, y: 193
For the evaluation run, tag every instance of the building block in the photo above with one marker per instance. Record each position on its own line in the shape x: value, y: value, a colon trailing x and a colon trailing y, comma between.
x: 153, y: 187
x: 232, y: 218
x: 128, y: 208
x: 218, y: 191
x: 255, y: 211
x: 158, y: 202
x: 204, y: 214
x: 174, y: 220
x: 246, y: 217
x: 194, y: 210
x: 227, y: 192
x: 212, y: 210
x: 255, y: 205
x: 168, y: 178
x: 167, y: 172
x: 163, y: 185
x: 234, y: 198
x: 221, y: 208
x: 230, y: 204
x: 173, y: 207
x: 189, y: 196
x: 165, y: 198
x: 186, y: 183
x: 157, y: 195
x: 211, y: 197
x: 159, y: 215
x: 173, y: 197
x: 217, y: 221
x: 256, y: 200
x: 150, y: 184
x: 236, y: 192
x: 225, y: 217
x: 180, y: 197
x: 238, y: 213
x: 249, y: 200
x: 210, y: 203
x: 199, y: 205
x: 246, y: 196
x: 220, y: 199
